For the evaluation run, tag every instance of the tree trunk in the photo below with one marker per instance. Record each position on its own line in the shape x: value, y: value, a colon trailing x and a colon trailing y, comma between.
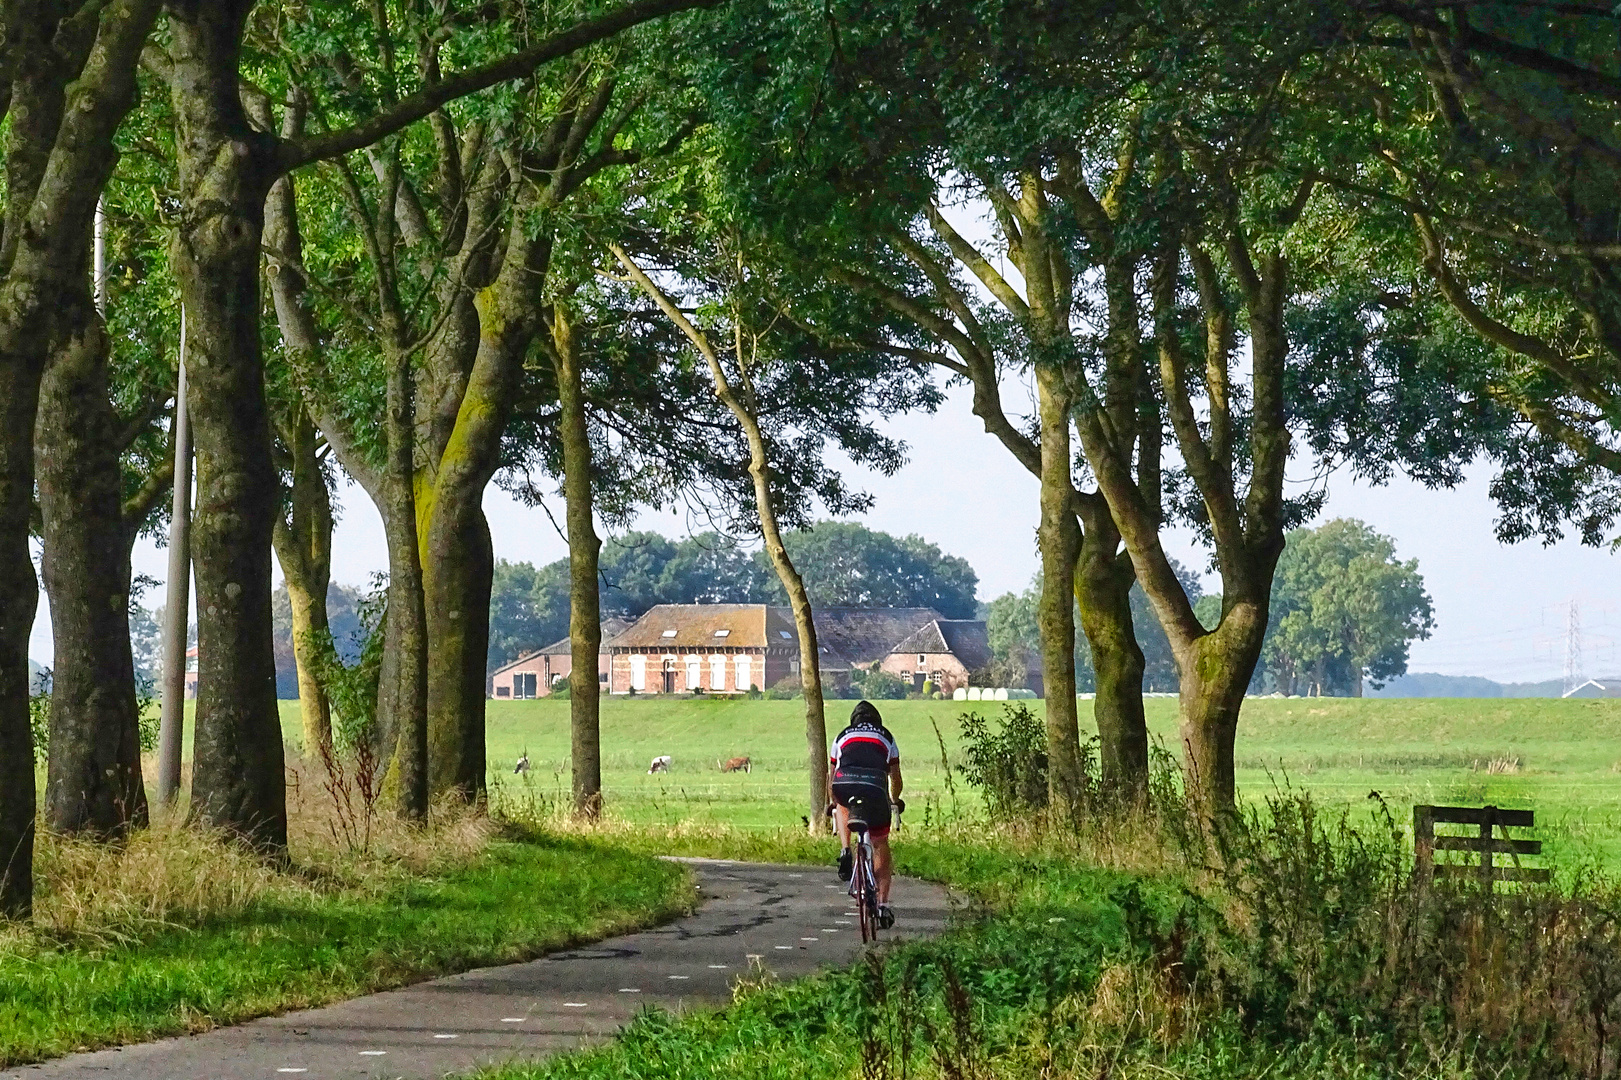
x: 225, y: 173
x: 1215, y: 670
x: 400, y: 729
x: 303, y: 541
x: 57, y: 163
x: 94, y: 781
x: 585, y: 613
x: 402, y: 691
x: 19, y: 598
x: 458, y: 570
x: 1059, y: 537
x: 1103, y: 581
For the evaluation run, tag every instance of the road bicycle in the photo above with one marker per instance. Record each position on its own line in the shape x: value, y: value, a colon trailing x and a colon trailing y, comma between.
x: 863, y: 881
x: 863, y: 878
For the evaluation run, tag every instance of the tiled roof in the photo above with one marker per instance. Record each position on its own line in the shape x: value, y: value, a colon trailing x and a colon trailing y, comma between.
x: 702, y: 626
x: 564, y: 646
x: 963, y: 638
x: 865, y: 635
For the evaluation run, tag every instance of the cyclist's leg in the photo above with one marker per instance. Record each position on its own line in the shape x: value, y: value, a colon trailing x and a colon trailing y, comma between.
x: 882, y: 866
x: 841, y: 819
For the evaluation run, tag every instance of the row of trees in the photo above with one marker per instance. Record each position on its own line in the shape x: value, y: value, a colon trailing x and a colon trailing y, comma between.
x: 660, y: 251
x: 1343, y: 609
x: 843, y: 564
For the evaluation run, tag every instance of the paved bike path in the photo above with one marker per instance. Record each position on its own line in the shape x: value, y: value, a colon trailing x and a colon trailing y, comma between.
x: 792, y: 920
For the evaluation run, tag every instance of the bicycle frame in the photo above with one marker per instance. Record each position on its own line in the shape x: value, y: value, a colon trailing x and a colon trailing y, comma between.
x: 864, y: 882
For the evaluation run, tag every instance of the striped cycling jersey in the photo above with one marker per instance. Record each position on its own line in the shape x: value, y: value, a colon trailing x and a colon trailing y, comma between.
x: 865, y: 748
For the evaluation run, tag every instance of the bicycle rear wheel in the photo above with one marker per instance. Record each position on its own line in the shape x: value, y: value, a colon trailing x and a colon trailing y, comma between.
x: 865, y: 906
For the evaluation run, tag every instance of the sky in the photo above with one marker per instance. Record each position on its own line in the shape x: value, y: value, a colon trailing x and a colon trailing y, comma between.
x: 1501, y: 612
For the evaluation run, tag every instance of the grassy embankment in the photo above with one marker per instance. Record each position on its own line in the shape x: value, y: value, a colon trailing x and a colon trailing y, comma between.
x: 1564, y: 756
x: 177, y: 931
x: 1123, y: 952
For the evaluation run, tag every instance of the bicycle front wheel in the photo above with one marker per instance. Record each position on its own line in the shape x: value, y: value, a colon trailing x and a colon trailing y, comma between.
x: 866, y: 906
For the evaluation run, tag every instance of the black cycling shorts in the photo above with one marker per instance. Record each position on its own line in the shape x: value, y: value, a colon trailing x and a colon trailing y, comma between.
x: 865, y: 797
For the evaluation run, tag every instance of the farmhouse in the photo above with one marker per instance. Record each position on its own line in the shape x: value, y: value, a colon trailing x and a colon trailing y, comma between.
x: 734, y: 648
x: 712, y: 648
x: 535, y: 674
x: 943, y: 651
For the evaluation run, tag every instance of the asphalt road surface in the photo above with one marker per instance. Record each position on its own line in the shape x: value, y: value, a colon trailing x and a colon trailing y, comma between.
x: 791, y: 920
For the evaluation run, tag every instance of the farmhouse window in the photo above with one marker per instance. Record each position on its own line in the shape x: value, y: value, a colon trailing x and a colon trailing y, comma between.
x: 745, y: 673
x: 523, y: 684
x: 717, y: 672
x: 638, y: 673
x: 695, y: 673
x: 503, y: 691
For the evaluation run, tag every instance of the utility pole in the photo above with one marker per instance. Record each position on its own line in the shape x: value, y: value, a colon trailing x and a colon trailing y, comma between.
x: 177, y: 613
x: 1573, y: 649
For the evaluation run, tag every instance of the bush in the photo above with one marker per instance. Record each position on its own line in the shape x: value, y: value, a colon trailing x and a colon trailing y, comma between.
x: 562, y: 690
x: 879, y: 685
x: 39, y: 717
x: 1007, y: 765
x: 785, y: 689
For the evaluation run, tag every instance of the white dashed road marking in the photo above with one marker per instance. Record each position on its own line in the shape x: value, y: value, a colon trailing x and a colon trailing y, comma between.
x: 630, y: 989
x: 447, y: 1036
x: 511, y: 1019
x: 680, y: 976
x: 718, y: 967
x: 373, y: 1053
x: 573, y: 1004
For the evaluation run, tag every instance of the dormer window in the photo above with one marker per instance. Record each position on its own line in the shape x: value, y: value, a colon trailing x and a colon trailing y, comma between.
x: 668, y: 634
x: 785, y: 634
x: 723, y: 633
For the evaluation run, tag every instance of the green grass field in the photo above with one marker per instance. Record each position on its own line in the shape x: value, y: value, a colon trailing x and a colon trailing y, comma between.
x: 1433, y: 750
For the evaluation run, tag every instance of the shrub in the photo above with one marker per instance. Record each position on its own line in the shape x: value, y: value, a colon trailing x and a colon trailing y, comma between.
x: 879, y: 685
x: 39, y: 717
x: 785, y: 689
x: 1009, y: 764
x: 562, y: 690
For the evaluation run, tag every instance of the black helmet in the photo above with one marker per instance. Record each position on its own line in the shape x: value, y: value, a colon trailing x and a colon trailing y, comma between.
x: 865, y: 714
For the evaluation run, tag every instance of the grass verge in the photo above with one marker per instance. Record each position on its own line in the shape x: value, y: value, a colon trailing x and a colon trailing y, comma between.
x: 1300, y: 946
x: 177, y: 931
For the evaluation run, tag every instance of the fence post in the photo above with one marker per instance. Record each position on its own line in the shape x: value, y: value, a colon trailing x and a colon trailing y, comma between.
x: 1488, y: 821
x: 1424, y: 843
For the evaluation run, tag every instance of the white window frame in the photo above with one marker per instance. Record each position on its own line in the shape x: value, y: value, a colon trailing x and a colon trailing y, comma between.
x: 695, y: 673
x: 638, y: 672
x: 743, y: 669
x: 717, y: 671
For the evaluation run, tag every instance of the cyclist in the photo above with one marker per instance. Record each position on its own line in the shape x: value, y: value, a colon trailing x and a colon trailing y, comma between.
x: 864, y: 777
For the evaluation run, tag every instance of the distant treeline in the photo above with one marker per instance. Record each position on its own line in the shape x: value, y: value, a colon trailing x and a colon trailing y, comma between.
x: 843, y: 564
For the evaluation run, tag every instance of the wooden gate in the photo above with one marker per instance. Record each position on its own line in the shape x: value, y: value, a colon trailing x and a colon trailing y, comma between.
x: 1487, y: 819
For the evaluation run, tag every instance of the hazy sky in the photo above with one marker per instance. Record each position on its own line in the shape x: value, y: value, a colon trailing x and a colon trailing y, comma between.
x: 1501, y: 611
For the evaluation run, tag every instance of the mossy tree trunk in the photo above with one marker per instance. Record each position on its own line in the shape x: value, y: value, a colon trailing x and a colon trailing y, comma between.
x: 1103, y: 581
x: 93, y: 781
x: 68, y: 93
x: 584, y: 547
x: 303, y: 541
x: 1216, y: 665
x: 401, y: 724
x: 1059, y: 538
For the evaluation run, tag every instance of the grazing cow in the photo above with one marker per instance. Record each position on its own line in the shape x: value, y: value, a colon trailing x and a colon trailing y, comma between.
x: 523, y: 764
x: 737, y: 764
x: 660, y: 764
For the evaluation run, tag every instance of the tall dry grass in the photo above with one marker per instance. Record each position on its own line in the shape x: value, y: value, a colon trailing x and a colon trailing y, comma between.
x: 174, y: 873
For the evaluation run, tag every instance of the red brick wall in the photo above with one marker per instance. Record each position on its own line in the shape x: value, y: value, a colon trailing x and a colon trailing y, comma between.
x: 952, y: 673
